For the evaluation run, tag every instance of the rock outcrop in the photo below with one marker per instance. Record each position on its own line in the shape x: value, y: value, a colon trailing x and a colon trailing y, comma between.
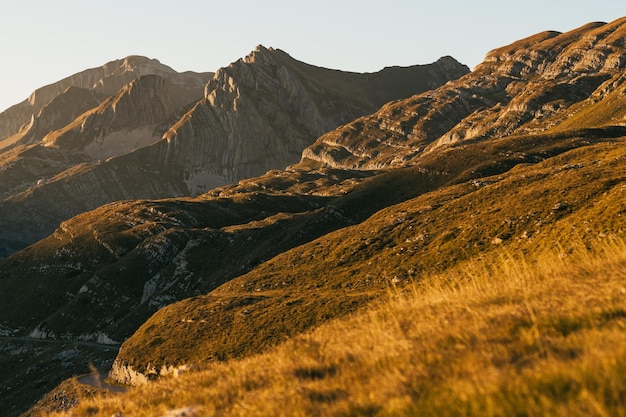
x: 60, y: 111
x: 133, y: 118
x: 533, y: 85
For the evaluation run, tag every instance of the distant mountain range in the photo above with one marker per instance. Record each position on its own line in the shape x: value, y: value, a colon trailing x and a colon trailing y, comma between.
x: 308, y: 193
x: 136, y: 129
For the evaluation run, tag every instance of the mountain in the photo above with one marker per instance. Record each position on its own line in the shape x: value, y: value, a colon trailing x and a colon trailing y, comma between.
x: 157, y: 137
x: 260, y: 112
x: 547, y: 82
x: 101, y: 81
x: 75, y: 125
x: 458, y: 189
x: 522, y: 155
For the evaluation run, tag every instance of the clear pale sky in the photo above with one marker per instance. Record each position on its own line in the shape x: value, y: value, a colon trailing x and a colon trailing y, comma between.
x: 42, y: 41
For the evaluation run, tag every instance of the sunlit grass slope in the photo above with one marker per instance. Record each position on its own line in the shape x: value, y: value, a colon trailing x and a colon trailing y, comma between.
x: 506, y: 335
x: 576, y: 195
x: 499, y: 296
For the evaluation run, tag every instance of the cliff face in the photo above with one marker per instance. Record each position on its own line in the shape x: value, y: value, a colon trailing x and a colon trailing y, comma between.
x: 59, y: 111
x: 134, y: 117
x: 260, y: 112
x: 533, y: 85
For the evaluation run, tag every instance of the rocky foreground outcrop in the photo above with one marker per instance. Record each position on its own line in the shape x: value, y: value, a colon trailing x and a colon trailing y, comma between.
x: 534, y: 85
x: 165, y: 134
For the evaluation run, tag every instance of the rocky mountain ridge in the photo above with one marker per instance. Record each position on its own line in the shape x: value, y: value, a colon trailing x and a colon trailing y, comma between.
x: 153, y: 139
x: 117, y: 125
x: 530, y: 86
x: 261, y: 111
x: 102, y: 81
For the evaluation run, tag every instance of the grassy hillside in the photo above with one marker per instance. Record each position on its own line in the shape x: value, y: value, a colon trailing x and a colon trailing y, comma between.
x: 460, y: 252
x: 469, y: 216
x: 575, y: 193
x: 502, y: 335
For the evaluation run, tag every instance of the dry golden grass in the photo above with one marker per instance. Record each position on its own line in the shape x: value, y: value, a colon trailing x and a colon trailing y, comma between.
x: 501, y: 336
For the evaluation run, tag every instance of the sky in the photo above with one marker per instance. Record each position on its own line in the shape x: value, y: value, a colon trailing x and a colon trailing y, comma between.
x: 43, y: 41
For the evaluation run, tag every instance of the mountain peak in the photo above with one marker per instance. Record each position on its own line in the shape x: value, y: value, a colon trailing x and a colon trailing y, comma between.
x: 136, y: 64
x: 133, y: 62
x: 258, y: 54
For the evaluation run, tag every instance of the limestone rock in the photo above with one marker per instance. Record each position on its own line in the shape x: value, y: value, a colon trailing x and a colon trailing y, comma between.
x: 133, y: 118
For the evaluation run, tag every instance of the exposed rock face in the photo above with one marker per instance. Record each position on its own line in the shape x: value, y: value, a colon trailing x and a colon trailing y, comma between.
x: 61, y: 110
x: 530, y: 86
x: 165, y: 135
x: 133, y: 118
x: 260, y: 112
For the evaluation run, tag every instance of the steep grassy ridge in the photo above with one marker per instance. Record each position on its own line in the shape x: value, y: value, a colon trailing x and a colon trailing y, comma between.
x: 575, y: 193
x: 502, y: 335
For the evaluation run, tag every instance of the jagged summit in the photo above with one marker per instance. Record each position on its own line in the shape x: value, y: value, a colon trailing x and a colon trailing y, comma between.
x: 259, y: 51
x: 267, y: 107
